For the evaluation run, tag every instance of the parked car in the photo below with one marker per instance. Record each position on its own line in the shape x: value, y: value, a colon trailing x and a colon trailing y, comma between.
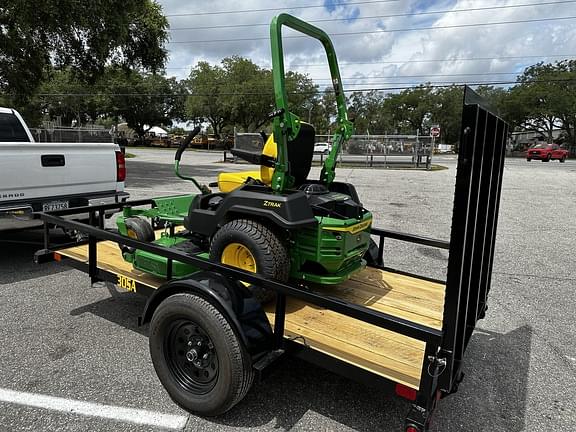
x: 546, y: 152
x: 322, y: 148
x: 37, y: 177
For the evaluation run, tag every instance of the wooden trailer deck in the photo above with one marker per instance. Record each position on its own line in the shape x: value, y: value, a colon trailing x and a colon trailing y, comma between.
x: 383, y: 352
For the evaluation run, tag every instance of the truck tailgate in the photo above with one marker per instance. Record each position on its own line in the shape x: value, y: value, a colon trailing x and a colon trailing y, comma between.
x: 40, y: 170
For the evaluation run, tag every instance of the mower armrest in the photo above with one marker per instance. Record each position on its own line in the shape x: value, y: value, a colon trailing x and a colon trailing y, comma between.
x: 254, y: 158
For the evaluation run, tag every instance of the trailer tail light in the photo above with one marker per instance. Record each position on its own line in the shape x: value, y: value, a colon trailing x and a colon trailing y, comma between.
x: 57, y: 257
x: 406, y: 392
x: 120, y: 167
x: 412, y: 429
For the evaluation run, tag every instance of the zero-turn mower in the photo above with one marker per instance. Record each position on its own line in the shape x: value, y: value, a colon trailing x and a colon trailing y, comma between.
x: 274, y: 221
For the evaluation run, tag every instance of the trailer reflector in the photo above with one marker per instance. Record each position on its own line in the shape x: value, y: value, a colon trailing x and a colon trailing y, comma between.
x: 406, y: 392
x: 57, y: 257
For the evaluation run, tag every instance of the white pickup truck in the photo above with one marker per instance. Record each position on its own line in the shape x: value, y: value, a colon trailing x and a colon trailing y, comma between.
x: 50, y: 176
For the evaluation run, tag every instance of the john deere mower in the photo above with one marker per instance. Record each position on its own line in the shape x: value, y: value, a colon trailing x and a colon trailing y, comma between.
x: 275, y: 220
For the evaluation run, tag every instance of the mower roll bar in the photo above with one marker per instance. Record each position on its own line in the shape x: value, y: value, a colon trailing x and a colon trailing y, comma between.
x: 287, y: 125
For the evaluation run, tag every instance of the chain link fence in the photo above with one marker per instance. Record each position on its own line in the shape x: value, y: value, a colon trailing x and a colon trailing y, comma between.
x: 72, y: 135
x: 361, y: 150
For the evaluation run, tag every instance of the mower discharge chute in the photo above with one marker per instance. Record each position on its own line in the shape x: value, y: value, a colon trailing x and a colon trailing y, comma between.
x: 274, y: 221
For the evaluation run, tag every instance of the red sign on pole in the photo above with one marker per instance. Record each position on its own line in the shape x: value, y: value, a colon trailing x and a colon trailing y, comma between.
x: 435, y: 131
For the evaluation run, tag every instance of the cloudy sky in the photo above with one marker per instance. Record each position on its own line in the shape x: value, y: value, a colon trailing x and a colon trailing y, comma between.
x: 382, y: 48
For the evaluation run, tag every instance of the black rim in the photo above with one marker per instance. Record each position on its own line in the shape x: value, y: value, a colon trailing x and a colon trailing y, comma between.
x: 191, y: 356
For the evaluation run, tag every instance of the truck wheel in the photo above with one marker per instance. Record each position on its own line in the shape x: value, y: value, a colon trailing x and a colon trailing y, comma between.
x: 250, y: 246
x: 528, y: 159
x: 563, y: 159
x: 198, y: 357
x: 548, y: 158
x: 139, y: 229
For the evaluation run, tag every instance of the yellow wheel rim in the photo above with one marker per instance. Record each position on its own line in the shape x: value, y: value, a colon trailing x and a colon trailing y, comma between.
x: 238, y: 255
x: 132, y: 234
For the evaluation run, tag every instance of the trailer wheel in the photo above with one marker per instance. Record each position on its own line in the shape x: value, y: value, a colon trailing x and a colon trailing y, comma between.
x: 251, y: 246
x: 199, y: 359
x: 139, y: 229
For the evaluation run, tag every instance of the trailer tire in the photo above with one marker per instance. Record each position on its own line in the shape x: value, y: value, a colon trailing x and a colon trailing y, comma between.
x: 197, y: 355
x: 263, y: 248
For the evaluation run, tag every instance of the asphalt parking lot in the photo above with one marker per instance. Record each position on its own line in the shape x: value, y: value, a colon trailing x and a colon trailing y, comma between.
x: 63, y: 340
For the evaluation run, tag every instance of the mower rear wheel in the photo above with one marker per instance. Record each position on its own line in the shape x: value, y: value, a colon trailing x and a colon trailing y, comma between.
x: 250, y: 246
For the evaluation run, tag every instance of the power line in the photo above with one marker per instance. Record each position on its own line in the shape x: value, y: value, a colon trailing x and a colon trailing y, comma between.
x: 384, y: 16
x: 441, y: 60
x: 474, y: 84
x: 277, y: 9
x: 424, y: 60
x: 422, y: 76
x: 382, y: 31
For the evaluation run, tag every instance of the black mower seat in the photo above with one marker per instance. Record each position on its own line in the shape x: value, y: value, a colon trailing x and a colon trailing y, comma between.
x: 300, y: 153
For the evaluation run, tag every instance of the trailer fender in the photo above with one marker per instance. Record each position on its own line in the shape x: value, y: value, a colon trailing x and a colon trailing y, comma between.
x: 230, y: 297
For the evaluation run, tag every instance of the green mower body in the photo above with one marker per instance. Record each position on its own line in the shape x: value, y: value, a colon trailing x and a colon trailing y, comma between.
x: 317, y: 228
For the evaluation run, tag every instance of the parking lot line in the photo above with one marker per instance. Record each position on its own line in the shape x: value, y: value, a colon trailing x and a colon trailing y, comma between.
x: 123, y: 414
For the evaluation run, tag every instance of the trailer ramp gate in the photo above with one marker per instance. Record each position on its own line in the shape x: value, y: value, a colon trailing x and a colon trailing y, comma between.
x: 474, y: 220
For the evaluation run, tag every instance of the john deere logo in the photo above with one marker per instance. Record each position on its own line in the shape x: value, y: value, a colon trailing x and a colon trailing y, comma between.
x: 272, y: 204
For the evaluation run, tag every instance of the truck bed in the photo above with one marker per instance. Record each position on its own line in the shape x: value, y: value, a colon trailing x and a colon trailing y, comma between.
x: 383, y: 352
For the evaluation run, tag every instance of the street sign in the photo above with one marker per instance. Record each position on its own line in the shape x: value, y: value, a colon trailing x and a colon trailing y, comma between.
x: 435, y: 131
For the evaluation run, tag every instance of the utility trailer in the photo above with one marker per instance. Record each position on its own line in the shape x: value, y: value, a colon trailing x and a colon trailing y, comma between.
x: 398, y: 331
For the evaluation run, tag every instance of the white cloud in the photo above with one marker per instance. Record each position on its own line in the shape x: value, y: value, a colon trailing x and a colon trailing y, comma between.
x: 509, y: 40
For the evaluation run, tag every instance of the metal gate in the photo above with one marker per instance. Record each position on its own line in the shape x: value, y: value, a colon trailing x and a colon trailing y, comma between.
x: 474, y: 221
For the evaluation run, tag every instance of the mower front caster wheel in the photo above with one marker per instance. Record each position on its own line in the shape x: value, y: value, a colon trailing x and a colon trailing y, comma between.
x: 199, y: 359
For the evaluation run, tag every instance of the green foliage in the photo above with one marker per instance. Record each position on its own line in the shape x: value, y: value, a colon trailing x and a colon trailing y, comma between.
x: 143, y: 100
x: 545, y: 99
x: 240, y: 93
x: 205, y: 101
x: 371, y: 112
x: 323, y: 112
x: 446, y: 112
x: 83, y: 37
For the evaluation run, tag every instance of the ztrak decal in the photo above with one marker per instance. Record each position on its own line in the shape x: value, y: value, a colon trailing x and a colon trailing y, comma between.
x: 272, y: 204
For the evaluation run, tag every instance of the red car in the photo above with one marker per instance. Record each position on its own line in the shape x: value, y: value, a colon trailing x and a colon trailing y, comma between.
x: 546, y: 153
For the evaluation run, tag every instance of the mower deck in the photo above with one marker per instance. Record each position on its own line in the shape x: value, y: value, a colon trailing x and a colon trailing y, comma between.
x: 383, y: 352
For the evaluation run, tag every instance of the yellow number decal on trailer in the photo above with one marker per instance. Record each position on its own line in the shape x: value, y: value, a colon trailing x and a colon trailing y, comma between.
x: 126, y: 283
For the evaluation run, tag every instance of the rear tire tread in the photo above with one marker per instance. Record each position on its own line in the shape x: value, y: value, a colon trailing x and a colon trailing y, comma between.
x: 240, y: 380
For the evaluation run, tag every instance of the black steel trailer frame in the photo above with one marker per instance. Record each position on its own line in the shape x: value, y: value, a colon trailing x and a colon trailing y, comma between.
x: 471, y: 255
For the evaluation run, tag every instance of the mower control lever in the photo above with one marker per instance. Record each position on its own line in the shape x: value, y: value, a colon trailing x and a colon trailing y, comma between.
x: 271, y: 116
x: 186, y: 142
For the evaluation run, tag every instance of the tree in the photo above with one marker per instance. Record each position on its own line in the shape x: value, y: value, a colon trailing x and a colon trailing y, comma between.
x: 70, y: 99
x: 247, y: 92
x: 240, y: 93
x: 36, y: 36
x: 447, y: 112
x: 411, y: 109
x: 303, y: 94
x: 323, y: 112
x: 143, y: 100
x: 205, y: 87
x: 372, y: 115
x: 545, y: 99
